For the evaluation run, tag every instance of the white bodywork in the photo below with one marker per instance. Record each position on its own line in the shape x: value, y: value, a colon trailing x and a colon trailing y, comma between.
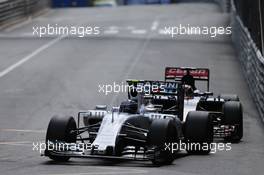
x: 113, y: 121
x: 190, y: 105
x: 111, y: 126
x: 109, y: 129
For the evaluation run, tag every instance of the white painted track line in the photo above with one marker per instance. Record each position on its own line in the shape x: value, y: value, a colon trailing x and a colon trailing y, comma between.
x: 111, y: 32
x: 113, y: 28
x: 30, y: 56
x: 22, y: 130
x: 17, y: 143
x: 139, y: 32
x: 155, y: 25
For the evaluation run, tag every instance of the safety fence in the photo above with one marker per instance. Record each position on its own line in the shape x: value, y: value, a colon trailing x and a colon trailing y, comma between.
x: 11, y: 10
x: 251, y: 59
x: 247, y: 18
x: 252, y: 15
x: 224, y: 5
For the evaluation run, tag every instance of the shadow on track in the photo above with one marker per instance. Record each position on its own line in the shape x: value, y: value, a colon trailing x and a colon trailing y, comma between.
x: 109, y: 162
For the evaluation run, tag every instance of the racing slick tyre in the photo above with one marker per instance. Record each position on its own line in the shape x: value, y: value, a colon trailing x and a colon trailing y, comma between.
x: 59, y: 130
x: 162, y: 131
x: 119, y: 146
x: 198, y: 130
x: 229, y: 97
x: 233, y: 115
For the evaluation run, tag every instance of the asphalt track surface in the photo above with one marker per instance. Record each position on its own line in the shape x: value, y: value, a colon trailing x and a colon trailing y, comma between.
x: 60, y: 75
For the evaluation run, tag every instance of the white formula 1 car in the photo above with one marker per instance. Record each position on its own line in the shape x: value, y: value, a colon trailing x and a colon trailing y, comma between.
x: 141, y: 128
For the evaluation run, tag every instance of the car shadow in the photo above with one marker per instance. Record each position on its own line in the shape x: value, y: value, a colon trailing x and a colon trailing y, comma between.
x: 110, y: 162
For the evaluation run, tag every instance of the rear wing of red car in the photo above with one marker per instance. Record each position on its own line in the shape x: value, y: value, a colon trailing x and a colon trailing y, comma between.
x: 177, y: 73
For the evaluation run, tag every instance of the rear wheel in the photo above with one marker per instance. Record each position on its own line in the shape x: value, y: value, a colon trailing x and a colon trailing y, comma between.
x: 59, y: 131
x: 233, y: 115
x: 162, y: 131
x: 198, y: 132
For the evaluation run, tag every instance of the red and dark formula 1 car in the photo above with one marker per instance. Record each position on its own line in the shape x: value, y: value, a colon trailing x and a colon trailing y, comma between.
x: 226, y: 109
x: 141, y: 128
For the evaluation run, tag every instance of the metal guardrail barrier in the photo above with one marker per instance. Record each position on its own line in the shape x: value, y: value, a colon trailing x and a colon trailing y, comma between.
x: 249, y: 53
x: 252, y: 15
x: 14, y: 9
x: 250, y: 57
x: 224, y: 5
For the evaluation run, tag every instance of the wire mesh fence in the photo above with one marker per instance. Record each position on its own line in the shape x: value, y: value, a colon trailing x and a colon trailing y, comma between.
x: 252, y: 15
x: 250, y: 57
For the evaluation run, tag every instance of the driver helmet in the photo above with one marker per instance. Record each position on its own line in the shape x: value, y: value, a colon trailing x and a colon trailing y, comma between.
x: 129, y: 106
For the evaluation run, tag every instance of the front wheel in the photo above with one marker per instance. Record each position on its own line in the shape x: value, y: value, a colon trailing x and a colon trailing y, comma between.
x: 198, y: 132
x: 60, y: 131
x: 162, y: 131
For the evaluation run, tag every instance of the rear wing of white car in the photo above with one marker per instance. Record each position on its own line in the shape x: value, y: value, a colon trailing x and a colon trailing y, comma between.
x: 172, y: 92
x: 153, y: 87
